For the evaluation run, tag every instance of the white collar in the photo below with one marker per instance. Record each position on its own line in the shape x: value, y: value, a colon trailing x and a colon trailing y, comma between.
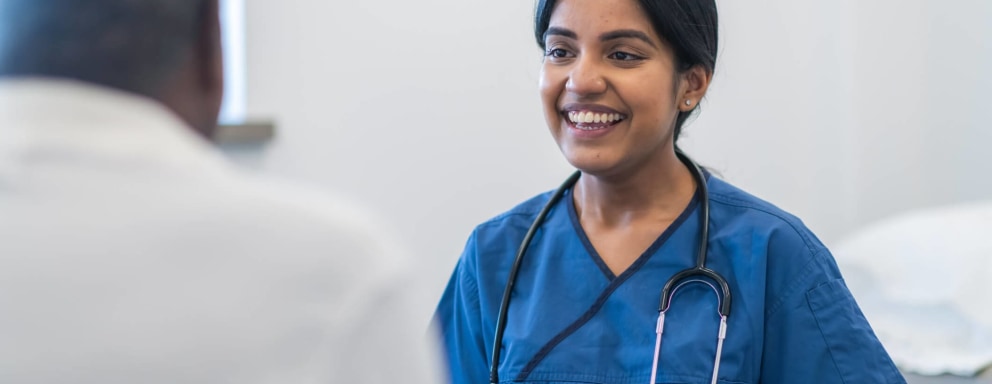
x: 38, y: 114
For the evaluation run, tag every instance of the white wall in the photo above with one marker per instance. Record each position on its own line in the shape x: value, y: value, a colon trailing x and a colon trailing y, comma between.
x: 841, y: 112
x: 233, y: 22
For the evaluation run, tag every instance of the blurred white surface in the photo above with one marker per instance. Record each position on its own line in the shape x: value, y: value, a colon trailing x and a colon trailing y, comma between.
x: 922, y: 278
x: 918, y: 379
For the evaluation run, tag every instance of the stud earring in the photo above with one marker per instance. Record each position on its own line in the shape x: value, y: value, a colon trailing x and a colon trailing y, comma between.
x: 688, y: 103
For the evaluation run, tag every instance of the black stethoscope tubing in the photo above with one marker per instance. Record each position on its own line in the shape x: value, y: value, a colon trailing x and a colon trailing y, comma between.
x: 698, y: 270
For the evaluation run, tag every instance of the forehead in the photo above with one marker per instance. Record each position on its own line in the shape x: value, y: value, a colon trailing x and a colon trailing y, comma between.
x: 593, y: 17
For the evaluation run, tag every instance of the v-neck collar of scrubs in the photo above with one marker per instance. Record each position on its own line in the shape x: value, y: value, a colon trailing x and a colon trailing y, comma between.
x: 615, y: 282
x: 643, y: 258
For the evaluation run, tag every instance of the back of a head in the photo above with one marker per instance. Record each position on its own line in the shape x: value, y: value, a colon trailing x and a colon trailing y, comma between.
x: 133, y: 45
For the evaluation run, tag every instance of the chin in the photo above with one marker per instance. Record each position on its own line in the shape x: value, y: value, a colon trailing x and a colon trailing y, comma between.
x: 592, y: 163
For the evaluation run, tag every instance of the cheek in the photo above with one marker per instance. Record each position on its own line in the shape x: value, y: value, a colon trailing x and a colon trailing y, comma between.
x: 547, y: 84
x: 551, y: 85
x: 651, y: 100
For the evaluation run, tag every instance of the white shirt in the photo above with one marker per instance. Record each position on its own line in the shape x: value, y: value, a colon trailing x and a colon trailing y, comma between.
x: 131, y: 252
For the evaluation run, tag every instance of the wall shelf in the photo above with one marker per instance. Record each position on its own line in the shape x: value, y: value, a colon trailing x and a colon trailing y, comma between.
x: 246, y: 133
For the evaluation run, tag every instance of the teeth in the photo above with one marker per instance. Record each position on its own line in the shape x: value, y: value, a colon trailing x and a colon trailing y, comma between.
x: 590, y: 117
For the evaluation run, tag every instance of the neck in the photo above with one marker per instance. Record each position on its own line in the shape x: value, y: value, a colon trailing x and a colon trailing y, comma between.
x: 657, y: 191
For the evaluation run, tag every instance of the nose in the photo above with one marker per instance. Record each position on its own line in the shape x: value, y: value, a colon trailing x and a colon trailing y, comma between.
x: 586, y: 77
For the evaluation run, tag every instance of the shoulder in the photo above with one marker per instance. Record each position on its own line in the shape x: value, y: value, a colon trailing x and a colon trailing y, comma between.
x: 746, y: 213
x: 296, y: 202
x: 337, y: 216
x: 790, y: 256
x: 252, y: 257
x: 526, y: 210
x: 494, y: 242
x: 319, y: 246
x: 517, y: 218
x: 309, y: 230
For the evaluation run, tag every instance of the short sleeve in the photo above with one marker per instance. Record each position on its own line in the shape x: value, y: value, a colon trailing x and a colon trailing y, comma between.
x: 853, y: 346
x: 820, y: 336
x: 459, y: 321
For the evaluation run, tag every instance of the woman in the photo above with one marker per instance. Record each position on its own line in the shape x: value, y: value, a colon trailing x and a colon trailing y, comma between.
x: 619, y: 79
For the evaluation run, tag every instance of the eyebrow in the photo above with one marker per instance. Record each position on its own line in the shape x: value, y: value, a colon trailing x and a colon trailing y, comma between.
x: 612, y: 35
x: 560, y: 32
x: 627, y: 34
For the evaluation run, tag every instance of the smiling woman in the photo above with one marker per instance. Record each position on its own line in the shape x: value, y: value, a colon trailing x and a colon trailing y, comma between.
x: 606, y: 59
x: 579, y: 302
x: 693, y: 47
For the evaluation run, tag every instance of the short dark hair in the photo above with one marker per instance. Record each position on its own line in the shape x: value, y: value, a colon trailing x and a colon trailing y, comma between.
x: 134, y: 45
x: 688, y: 26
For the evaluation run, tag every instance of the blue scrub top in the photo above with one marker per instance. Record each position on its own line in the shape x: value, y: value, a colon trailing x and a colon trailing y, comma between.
x: 571, y: 320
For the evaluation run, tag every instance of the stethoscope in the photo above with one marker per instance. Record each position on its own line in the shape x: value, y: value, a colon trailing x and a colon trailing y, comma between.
x: 672, y: 286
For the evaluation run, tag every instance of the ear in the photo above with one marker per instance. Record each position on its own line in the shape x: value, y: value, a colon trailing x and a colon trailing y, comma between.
x: 693, y: 85
x: 210, y: 60
x: 206, y: 71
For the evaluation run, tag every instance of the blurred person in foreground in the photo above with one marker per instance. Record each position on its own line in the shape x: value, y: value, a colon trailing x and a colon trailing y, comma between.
x: 131, y: 252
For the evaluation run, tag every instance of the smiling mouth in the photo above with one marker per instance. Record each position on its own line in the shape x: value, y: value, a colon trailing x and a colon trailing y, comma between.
x: 591, y: 121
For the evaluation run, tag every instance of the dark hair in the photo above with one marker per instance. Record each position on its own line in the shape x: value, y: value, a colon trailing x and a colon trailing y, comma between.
x: 135, y: 45
x: 689, y: 26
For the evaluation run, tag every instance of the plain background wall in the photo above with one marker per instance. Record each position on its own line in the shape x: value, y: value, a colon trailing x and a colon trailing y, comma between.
x: 842, y: 112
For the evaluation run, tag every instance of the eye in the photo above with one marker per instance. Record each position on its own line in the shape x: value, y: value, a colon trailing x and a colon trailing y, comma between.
x: 557, y: 53
x: 624, y: 56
